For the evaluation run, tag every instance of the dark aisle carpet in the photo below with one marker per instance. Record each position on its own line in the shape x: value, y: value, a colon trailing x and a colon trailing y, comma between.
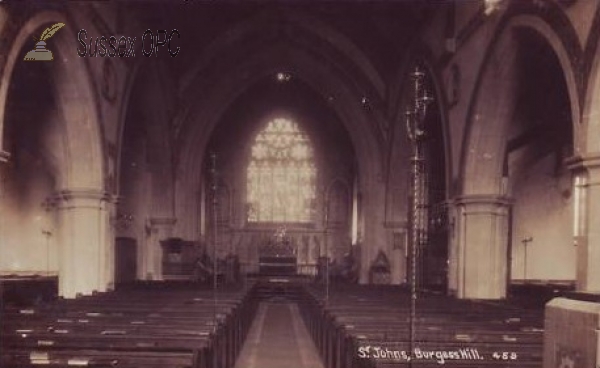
x: 278, y: 339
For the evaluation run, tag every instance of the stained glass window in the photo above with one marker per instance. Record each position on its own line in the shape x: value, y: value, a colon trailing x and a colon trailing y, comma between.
x: 281, y: 175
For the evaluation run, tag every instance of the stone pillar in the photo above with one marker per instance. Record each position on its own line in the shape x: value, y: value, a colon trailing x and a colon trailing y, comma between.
x: 587, y: 221
x: 84, y: 242
x: 4, y: 156
x: 480, y: 255
x: 111, y: 208
x: 453, y: 245
x: 160, y: 228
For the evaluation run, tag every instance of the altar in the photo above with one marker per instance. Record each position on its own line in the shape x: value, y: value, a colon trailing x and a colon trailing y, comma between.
x: 278, y: 255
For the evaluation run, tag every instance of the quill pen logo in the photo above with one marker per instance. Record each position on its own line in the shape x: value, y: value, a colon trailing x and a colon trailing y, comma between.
x: 41, y: 53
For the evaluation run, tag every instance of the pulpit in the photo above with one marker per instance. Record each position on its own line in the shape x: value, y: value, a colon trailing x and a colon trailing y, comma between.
x: 380, y: 272
x: 178, y: 258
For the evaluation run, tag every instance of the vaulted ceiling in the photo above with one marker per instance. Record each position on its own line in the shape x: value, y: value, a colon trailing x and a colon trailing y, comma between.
x: 382, y: 31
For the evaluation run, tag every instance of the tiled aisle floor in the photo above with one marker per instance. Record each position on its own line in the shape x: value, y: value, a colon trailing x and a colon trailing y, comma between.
x: 278, y: 339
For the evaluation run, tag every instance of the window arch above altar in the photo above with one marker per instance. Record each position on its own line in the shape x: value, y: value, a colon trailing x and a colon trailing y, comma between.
x: 281, y: 175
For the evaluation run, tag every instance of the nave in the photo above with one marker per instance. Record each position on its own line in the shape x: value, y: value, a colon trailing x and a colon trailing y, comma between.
x: 269, y: 324
x: 443, y: 146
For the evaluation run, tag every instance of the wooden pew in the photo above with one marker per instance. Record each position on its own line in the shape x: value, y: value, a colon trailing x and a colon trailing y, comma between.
x: 354, y: 319
x: 137, y: 329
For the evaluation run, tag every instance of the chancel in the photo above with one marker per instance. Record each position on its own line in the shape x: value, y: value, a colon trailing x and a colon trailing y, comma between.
x: 307, y: 184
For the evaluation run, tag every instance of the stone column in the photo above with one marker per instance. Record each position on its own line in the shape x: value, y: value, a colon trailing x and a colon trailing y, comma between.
x: 587, y: 221
x: 160, y: 228
x: 84, y: 242
x: 110, y: 205
x: 480, y: 257
x: 453, y: 244
x: 4, y: 156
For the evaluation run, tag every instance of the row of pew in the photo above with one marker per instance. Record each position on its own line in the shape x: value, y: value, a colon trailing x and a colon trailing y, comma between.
x: 369, y: 326
x: 147, y: 326
x: 24, y: 290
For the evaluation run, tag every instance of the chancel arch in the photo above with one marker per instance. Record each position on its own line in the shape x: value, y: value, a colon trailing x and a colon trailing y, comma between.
x: 291, y: 148
x: 343, y: 99
x: 262, y: 49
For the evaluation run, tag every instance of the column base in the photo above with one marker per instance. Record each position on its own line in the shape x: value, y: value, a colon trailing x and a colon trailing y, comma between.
x: 481, y: 258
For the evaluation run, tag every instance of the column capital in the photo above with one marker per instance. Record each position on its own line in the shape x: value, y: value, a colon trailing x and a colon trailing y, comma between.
x: 484, y: 203
x: 4, y: 156
x: 586, y: 161
x: 81, y: 197
x: 82, y: 193
x: 483, y: 199
x: 113, y: 198
x: 588, y: 164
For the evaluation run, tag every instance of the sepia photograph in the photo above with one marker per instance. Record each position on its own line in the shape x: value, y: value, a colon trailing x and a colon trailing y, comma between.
x: 300, y: 183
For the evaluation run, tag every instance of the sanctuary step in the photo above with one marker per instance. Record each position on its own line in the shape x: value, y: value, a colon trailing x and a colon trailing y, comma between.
x: 277, y: 265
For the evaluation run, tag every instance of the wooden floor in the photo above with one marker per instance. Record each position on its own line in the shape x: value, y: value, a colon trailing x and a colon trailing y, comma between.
x: 278, y: 339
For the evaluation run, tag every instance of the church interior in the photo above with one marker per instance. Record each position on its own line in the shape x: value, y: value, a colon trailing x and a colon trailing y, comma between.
x: 303, y: 184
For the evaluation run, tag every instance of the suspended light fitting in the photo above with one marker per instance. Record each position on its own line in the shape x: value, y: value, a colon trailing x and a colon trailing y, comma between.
x: 283, y: 77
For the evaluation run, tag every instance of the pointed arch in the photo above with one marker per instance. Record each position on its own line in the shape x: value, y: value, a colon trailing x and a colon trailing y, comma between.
x: 492, y: 103
x: 84, y: 165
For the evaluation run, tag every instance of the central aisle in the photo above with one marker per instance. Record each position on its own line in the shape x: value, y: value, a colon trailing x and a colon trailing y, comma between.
x: 278, y: 339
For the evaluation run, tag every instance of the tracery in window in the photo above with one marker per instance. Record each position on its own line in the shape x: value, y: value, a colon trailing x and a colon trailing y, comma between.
x: 281, y: 177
